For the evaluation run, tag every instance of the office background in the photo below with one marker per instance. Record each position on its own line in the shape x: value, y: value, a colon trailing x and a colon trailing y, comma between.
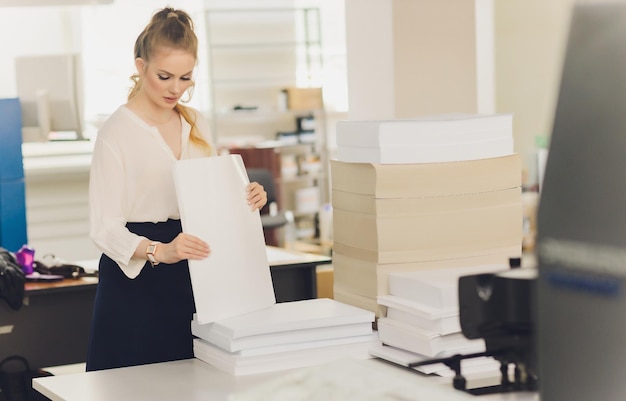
x: 528, y: 38
x: 505, y: 55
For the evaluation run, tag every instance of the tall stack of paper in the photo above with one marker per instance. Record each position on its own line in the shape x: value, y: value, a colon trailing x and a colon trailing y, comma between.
x: 419, y: 202
x: 284, y: 336
x: 423, y: 317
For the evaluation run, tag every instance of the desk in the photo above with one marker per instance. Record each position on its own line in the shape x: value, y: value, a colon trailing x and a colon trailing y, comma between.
x: 192, y: 379
x: 53, y: 324
x: 294, y: 273
x: 52, y: 327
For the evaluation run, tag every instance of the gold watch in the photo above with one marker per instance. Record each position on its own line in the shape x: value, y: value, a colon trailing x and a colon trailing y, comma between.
x: 150, y: 251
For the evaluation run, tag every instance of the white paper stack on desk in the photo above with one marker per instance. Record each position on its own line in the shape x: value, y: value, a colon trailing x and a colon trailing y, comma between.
x: 286, y: 335
x: 438, y: 208
x: 422, y: 319
x: 240, y: 327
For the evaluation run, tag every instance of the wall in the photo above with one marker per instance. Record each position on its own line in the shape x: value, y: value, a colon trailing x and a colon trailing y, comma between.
x: 519, y: 72
x: 418, y: 58
x: 530, y: 40
x: 55, y: 32
x: 57, y: 212
x: 435, y: 57
x: 370, y: 59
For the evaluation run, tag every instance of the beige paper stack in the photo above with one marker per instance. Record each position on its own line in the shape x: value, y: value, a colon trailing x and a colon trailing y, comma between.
x: 414, y: 212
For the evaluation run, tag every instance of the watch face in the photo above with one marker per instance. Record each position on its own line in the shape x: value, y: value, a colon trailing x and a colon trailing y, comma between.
x: 150, y: 253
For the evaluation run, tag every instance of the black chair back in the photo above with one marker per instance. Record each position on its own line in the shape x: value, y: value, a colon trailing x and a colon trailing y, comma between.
x: 264, y: 177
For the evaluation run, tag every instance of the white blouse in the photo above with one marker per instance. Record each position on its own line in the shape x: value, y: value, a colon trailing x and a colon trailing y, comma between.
x: 131, y: 180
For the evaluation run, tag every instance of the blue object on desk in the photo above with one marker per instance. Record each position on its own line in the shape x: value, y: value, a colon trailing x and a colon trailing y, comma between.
x: 13, y: 214
x: 12, y: 189
x: 11, y: 166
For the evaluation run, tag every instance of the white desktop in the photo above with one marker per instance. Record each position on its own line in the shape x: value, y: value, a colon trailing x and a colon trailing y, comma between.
x: 194, y: 380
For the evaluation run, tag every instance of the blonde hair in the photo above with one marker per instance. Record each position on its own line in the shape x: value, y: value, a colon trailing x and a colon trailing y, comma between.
x: 172, y: 28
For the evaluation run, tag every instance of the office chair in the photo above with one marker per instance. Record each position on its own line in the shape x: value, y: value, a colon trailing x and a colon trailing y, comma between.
x: 272, y: 218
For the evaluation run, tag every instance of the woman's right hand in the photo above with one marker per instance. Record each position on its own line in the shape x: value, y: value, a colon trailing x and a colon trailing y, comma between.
x: 184, y: 246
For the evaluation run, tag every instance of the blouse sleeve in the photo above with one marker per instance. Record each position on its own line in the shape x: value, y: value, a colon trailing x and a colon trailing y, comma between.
x: 106, y: 203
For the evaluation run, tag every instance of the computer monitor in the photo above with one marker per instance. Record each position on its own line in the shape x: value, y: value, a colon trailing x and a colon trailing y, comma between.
x: 581, y: 237
x: 50, y: 91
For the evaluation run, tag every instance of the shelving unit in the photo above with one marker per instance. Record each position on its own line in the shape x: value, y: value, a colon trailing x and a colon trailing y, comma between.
x: 254, y: 55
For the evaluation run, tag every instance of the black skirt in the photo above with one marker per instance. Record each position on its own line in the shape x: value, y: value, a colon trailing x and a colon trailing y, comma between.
x: 146, y: 319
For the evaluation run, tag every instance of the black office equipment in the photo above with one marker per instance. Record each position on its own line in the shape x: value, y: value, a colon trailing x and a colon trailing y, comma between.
x: 581, y: 236
x: 499, y: 308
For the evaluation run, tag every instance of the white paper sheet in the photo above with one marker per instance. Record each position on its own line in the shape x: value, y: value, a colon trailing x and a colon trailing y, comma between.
x: 235, y: 278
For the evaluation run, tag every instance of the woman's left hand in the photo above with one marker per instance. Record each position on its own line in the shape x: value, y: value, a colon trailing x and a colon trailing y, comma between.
x: 257, y: 197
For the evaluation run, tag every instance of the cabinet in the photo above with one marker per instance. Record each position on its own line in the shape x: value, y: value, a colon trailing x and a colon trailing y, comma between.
x: 265, y: 73
x: 297, y: 181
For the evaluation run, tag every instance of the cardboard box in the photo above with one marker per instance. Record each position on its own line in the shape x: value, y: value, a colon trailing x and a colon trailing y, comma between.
x: 324, y: 276
x: 304, y: 98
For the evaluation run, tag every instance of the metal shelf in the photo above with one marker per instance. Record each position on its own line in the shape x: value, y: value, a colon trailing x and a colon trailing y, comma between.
x: 253, y: 55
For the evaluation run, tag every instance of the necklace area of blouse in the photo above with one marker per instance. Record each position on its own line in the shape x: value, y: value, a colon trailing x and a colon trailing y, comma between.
x: 152, y: 119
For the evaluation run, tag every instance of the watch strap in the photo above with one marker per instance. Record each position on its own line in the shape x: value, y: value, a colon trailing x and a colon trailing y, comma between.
x: 151, y: 251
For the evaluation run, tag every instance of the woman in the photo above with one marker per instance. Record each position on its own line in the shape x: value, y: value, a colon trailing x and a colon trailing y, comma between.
x: 144, y: 303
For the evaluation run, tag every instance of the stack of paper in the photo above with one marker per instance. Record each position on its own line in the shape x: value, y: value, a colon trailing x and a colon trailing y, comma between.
x: 470, y: 367
x: 423, y: 316
x: 414, y: 229
x: 286, y: 335
x: 435, y: 288
x: 238, y: 324
x: 447, y: 210
x: 440, y: 321
x: 430, y: 139
x: 416, y: 340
